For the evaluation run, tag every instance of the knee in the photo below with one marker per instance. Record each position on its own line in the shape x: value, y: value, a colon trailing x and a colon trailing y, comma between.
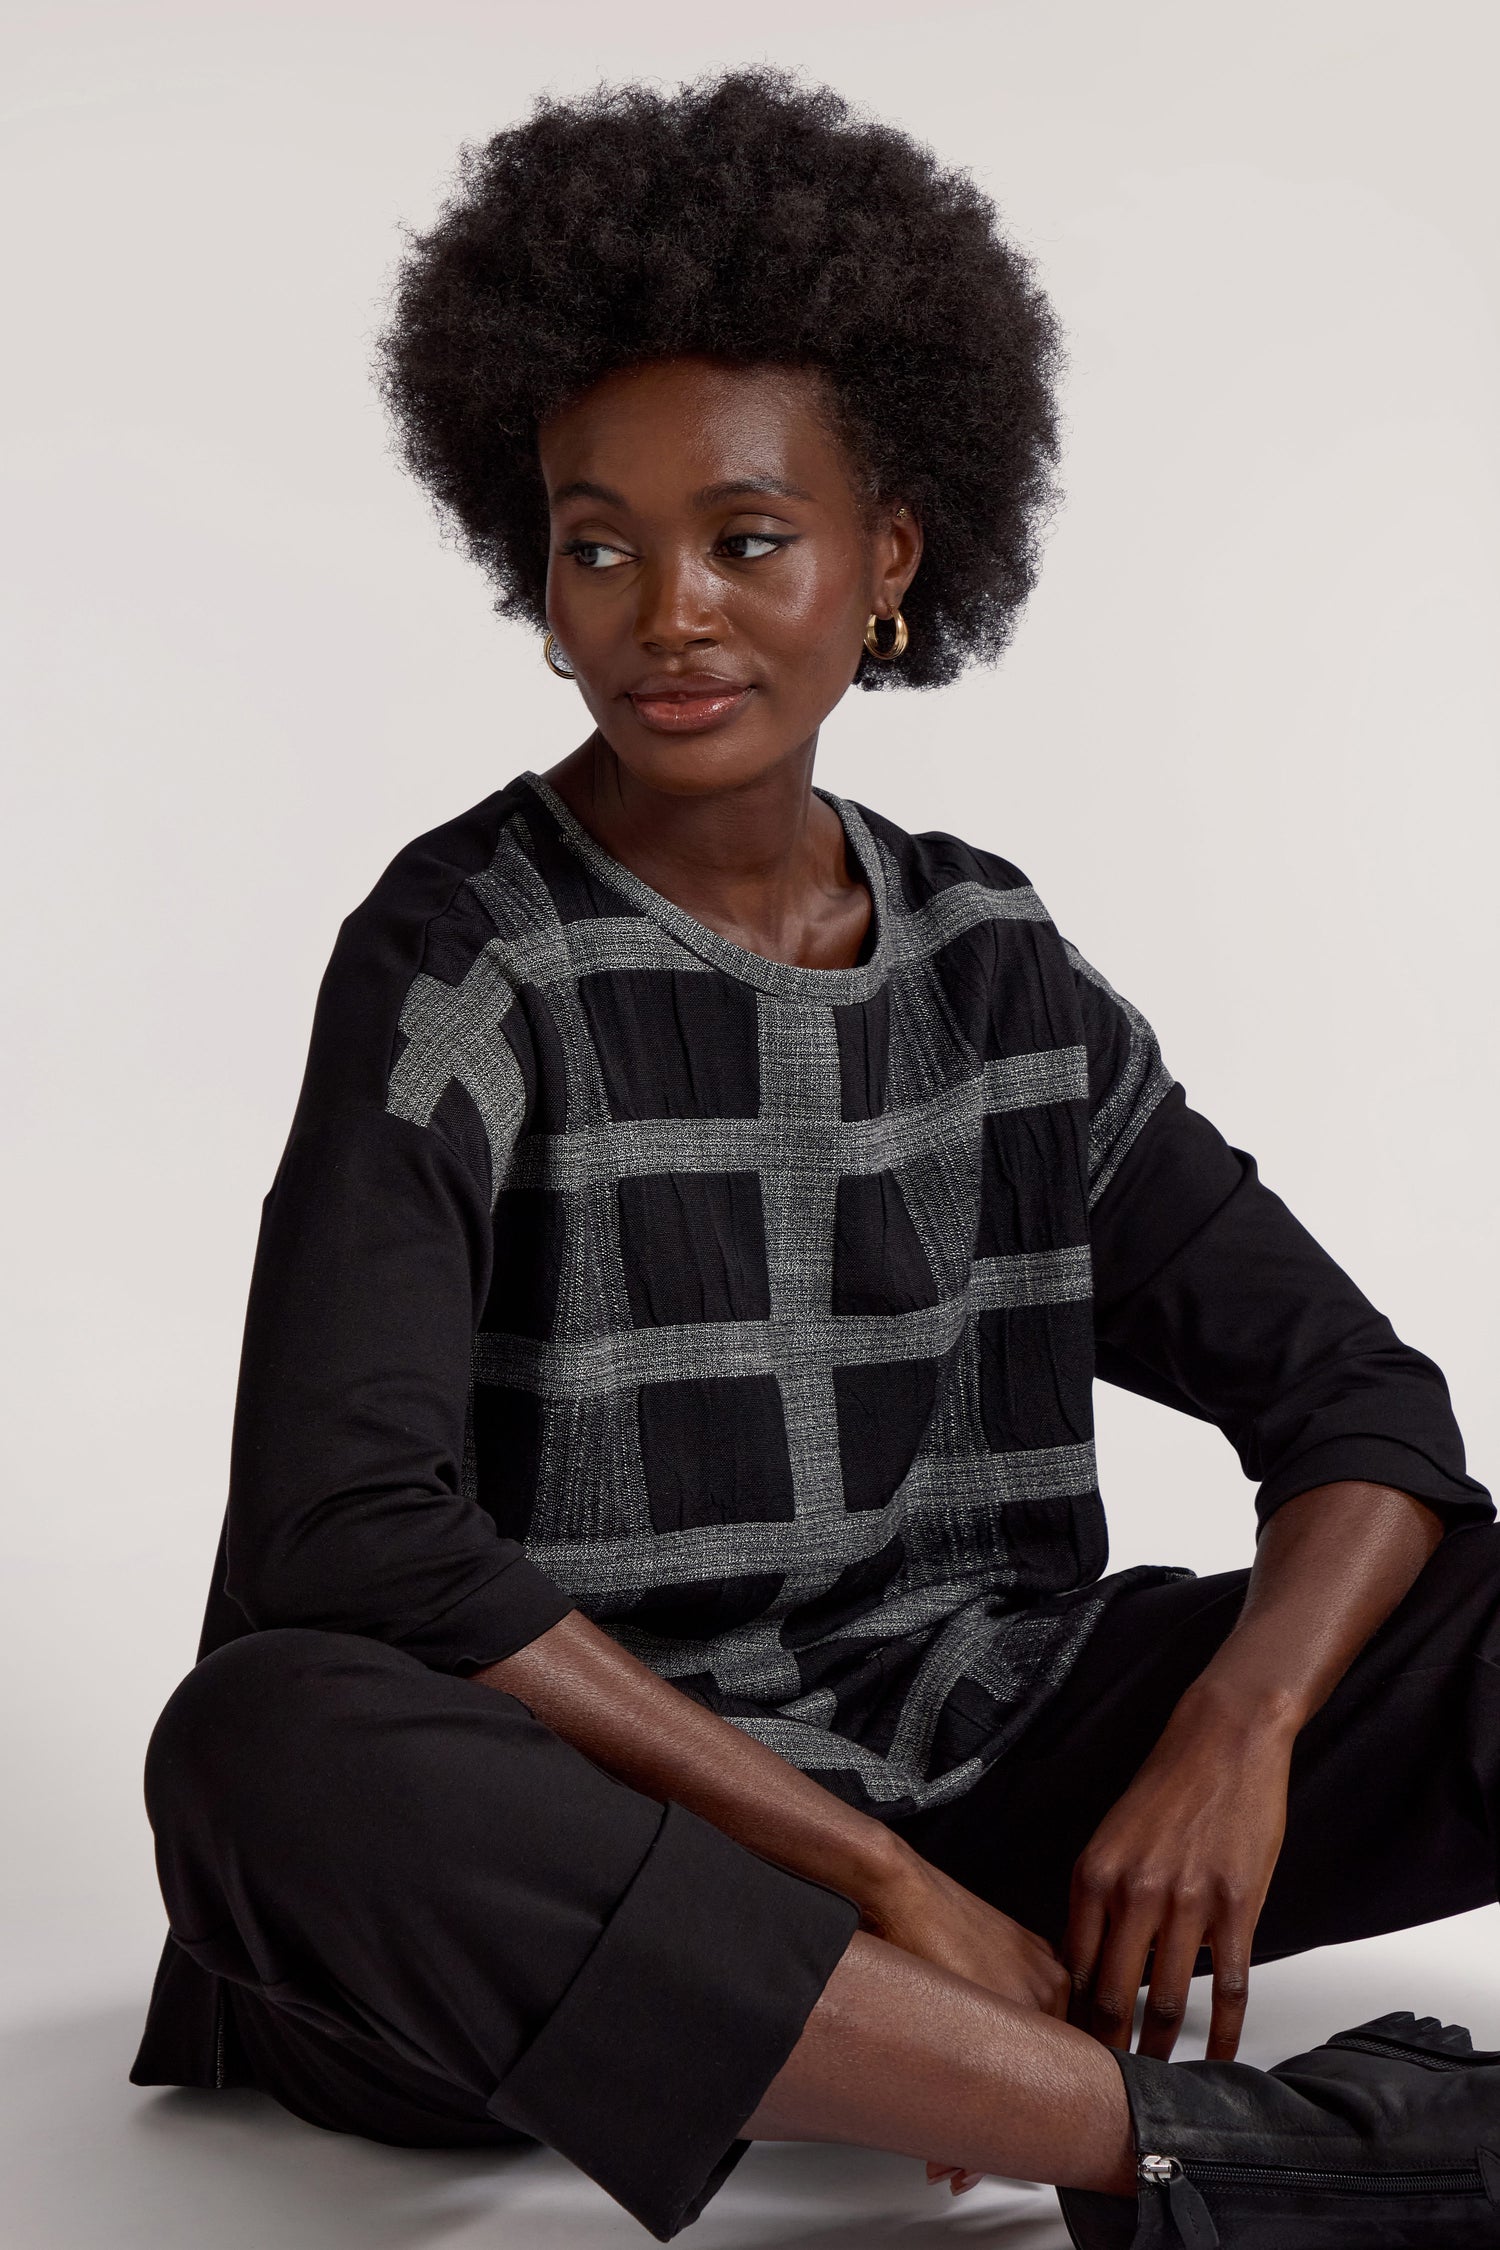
x: 260, y: 1704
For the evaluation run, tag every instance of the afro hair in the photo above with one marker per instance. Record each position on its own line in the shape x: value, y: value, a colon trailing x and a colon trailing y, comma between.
x: 750, y: 219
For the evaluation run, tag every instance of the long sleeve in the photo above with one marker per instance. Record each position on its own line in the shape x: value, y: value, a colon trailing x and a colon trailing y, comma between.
x: 347, y: 1508
x: 1211, y: 1298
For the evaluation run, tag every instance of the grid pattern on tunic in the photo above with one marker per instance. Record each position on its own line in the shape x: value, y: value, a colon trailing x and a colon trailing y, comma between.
x: 785, y: 1376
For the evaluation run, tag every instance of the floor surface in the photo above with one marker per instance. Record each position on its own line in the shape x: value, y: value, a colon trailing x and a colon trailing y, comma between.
x: 91, y: 2163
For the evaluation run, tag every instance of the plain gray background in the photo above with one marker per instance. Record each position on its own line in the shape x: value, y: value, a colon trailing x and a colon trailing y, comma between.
x: 1244, y: 744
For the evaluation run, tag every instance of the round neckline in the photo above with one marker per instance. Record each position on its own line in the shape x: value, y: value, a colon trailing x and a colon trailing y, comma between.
x: 786, y: 980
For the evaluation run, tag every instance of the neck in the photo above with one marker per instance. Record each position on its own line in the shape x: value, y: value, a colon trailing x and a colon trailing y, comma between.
x: 764, y: 863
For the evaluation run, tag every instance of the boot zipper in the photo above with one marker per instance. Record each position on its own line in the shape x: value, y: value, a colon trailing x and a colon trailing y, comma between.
x: 1455, y: 2180
x: 1186, y: 2207
x: 1167, y: 2171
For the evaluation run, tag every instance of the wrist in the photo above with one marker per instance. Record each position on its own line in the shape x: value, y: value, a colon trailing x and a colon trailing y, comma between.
x: 1234, y: 1716
x: 880, y: 1873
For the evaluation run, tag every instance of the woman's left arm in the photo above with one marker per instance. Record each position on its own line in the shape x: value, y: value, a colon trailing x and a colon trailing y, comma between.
x: 1185, y: 1857
x: 1210, y: 1297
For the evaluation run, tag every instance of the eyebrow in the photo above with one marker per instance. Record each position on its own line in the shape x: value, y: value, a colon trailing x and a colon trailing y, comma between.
x: 708, y: 496
x: 582, y: 489
x: 770, y: 487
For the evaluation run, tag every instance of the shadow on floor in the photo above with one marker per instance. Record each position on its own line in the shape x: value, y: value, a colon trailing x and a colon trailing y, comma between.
x: 92, y: 2163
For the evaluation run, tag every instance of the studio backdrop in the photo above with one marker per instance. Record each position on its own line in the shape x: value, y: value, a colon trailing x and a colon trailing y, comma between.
x: 1244, y: 742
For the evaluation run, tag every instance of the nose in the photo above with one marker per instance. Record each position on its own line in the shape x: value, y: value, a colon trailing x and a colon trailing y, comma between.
x: 677, y: 607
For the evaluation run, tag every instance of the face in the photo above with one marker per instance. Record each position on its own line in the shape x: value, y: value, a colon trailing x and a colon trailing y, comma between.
x: 713, y: 565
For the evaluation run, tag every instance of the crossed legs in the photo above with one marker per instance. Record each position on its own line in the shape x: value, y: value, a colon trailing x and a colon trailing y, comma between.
x: 437, y: 1921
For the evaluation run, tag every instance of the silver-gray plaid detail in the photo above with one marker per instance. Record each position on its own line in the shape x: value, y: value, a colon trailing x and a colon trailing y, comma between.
x: 785, y: 1375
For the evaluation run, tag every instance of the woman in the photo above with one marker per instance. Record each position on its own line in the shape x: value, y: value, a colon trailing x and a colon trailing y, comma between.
x: 659, y: 1688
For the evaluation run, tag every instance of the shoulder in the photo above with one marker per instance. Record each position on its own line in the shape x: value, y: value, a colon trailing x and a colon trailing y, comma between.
x: 1013, y: 982
x: 424, y: 922
x: 422, y: 911
x: 926, y: 865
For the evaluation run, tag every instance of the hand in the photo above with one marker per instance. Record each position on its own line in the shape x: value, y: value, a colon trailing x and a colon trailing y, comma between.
x: 1184, y: 1859
x: 918, y: 1907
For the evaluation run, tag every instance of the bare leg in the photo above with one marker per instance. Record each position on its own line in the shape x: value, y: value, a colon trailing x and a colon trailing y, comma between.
x: 900, y: 2055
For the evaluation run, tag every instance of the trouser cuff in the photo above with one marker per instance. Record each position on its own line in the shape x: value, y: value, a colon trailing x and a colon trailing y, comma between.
x: 678, y: 2021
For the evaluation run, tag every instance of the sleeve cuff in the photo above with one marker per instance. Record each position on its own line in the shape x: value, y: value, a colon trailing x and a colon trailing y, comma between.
x: 1377, y: 1460
x: 507, y: 1612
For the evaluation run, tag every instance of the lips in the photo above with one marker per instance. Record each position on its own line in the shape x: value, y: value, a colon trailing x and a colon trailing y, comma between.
x: 688, y: 702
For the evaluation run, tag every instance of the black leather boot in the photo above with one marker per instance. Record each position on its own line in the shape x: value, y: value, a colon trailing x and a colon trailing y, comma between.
x: 1386, y: 2137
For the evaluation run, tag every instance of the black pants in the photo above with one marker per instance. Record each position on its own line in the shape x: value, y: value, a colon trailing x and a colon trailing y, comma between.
x: 440, y: 1925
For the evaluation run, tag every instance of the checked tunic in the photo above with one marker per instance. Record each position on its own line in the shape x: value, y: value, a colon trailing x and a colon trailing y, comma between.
x: 754, y: 1310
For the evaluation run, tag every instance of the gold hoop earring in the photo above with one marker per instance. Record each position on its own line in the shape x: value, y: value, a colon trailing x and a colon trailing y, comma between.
x: 898, y: 643
x: 555, y: 661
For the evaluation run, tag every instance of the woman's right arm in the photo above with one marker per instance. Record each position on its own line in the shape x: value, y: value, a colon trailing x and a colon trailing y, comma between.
x: 646, y: 1732
x: 347, y: 1513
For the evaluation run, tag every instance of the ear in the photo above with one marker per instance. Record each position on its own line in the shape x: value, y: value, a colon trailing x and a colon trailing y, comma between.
x: 897, y: 550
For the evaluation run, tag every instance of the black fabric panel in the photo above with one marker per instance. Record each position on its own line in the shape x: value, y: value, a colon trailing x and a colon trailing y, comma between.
x: 674, y: 1043
x: 693, y: 1245
x: 1034, y: 1366
x: 700, y: 1610
x: 863, y: 1032
x: 933, y: 862
x: 458, y: 1122
x: 1010, y: 990
x: 1031, y: 1192
x: 577, y: 892
x: 457, y: 937
x: 1107, y: 1036
x: 966, y: 1726
x: 507, y: 1454
x: 855, y: 1591
x: 714, y: 1450
x: 879, y: 1265
x: 870, y: 1680
x: 882, y: 1413
x: 531, y: 1031
x: 1055, y: 1545
x: 530, y: 1237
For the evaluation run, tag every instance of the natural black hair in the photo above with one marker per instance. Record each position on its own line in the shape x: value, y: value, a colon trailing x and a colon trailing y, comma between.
x: 751, y: 219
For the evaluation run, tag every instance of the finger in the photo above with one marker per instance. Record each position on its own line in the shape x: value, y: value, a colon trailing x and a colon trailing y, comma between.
x: 1122, y: 1965
x: 1171, y: 1981
x: 1231, y: 1951
x: 957, y: 2178
x: 1087, y: 1922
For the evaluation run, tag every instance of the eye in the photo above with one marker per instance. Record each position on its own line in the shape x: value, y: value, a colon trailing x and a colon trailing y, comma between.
x: 749, y: 546
x: 594, y: 554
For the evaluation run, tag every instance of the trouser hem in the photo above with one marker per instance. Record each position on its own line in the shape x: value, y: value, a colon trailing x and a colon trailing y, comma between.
x: 676, y: 2024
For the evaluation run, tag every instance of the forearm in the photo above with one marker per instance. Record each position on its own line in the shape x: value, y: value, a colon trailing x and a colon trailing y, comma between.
x: 640, y: 1728
x: 1331, y: 1566
x: 1186, y: 1856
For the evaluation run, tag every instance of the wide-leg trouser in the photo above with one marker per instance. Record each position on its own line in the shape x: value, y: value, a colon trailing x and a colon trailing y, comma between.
x: 1393, y: 1812
x: 440, y: 1925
